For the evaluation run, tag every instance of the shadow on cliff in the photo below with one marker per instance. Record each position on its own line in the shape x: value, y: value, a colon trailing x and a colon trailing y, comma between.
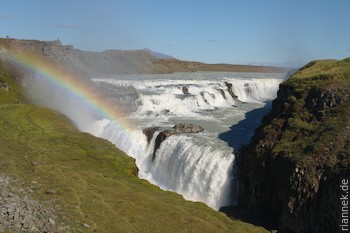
x: 241, y: 133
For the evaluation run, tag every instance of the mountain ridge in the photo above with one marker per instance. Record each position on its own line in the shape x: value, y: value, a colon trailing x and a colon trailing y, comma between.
x: 111, y: 62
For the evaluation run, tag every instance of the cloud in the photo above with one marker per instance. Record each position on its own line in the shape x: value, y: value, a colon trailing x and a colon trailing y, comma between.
x: 348, y: 50
x: 5, y: 17
x: 168, y: 44
x: 214, y: 41
x: 66, y: 26
x: 231, y: 44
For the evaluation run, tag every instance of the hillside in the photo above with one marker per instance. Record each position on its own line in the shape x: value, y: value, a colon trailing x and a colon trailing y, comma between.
x: 292, y: 169
x: 54, y: 178
x: 112, y: 62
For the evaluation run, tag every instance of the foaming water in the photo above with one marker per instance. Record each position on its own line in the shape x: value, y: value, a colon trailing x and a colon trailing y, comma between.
x: 198, y: 166
x: 186, y: 164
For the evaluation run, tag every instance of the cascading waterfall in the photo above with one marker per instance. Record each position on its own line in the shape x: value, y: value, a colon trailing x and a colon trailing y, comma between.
x: 199, y: 166
x: 195, y: 168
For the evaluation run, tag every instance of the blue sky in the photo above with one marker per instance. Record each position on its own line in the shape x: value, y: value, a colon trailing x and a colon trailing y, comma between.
x: 213, y: 31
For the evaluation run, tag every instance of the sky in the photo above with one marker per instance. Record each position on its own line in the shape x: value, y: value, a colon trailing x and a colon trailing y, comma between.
x: 269, y: 32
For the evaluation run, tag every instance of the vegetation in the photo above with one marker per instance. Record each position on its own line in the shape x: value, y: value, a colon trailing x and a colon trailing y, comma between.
x: 320, y: 74
x: 89, y: 180
x: 318, y: 108
x: 10, y: 91
x: 290, y: 171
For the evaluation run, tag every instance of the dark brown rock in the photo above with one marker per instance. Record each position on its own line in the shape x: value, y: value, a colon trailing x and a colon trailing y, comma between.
x: 185, y: 90
x: 177, y: 129
x: 160, y: 138
x: 205, y: 100
x: 149, y: 132
x: 222, y: 93
x: 187, y: 128
x: 230, y: 90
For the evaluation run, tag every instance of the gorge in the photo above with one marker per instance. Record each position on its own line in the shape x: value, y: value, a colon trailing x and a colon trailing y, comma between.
x: 287, y: 172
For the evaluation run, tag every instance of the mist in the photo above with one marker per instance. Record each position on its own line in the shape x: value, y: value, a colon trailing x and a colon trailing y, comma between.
x: 45, y: 93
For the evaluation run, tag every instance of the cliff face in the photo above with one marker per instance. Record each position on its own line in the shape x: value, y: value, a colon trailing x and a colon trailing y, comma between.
x: 292, y: 168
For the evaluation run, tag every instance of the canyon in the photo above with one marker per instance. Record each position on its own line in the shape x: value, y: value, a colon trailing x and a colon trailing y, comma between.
x: 288, y: 174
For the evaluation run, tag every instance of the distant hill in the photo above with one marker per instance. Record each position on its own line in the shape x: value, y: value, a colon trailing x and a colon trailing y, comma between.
x: 111, y: 62
x: 157, y: 55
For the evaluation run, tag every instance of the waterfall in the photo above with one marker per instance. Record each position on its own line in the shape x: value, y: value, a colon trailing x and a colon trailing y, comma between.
x: 198, y: 166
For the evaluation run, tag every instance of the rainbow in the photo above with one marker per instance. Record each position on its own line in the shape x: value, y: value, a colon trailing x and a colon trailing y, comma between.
x: 73, y: 86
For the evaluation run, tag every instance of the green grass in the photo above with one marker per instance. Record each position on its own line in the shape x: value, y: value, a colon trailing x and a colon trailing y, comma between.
x: 322, y: 73
x: 94, y: 182
x: 13, y: 95
x: 304, y: 135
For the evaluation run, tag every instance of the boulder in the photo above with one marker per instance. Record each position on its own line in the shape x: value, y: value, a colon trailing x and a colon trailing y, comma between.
x: 149, y: 132
x: 177, y: 129
x: 185, y: 90
x: 187, y: 128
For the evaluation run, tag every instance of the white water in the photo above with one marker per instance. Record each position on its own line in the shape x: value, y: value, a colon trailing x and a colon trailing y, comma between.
x: 198, y: 166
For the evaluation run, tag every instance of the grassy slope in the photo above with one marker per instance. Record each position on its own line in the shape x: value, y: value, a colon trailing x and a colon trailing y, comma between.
x: 321, y: 74
x: 304, y: 134
x: 15, y: 93
x: 93, y: 181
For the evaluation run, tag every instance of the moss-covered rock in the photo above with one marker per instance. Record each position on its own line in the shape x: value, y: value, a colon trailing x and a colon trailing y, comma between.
x: 291, y: 169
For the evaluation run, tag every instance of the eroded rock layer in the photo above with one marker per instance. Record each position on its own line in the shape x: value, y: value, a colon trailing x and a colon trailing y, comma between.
x: 293, y: 166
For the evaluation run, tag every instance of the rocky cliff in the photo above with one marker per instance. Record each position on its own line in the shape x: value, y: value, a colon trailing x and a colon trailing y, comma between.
x: 292, y: 168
